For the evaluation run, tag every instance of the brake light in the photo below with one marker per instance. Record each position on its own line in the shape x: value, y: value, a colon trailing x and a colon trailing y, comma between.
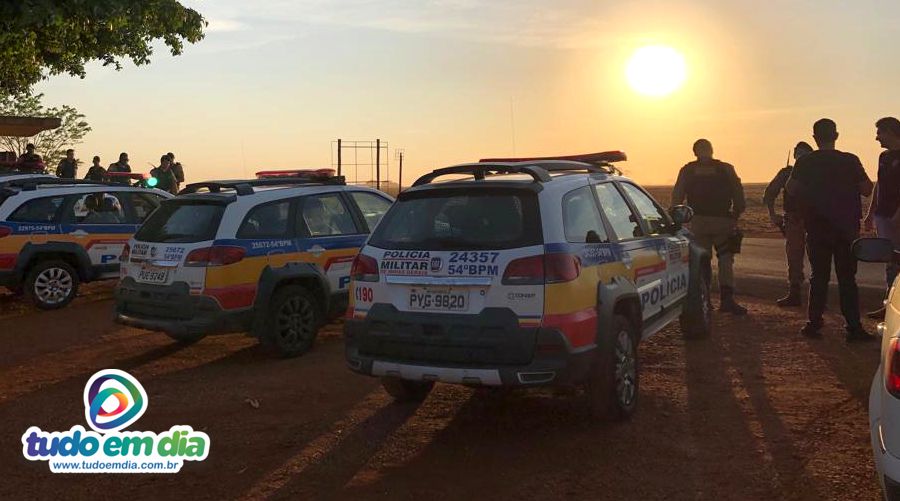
x: 217, y: 255
x: 892, y: 368
x: 543, y: 269
x: 560, y: 268
x: 126, y: 253
x: 5, y: 231
x: 365, y: 269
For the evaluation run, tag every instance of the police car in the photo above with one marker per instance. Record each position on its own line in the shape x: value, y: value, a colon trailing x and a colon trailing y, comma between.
x: 526, y: 272
x: 56, y: 233
x: 268, y: 256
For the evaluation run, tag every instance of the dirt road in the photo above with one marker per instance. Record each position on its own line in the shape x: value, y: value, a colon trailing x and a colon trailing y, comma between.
x: 755, y: 412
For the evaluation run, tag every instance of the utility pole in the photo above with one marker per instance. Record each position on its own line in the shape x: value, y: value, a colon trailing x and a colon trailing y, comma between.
x: 398, y: 154
x: 377, y: 164
x: 339, y: 157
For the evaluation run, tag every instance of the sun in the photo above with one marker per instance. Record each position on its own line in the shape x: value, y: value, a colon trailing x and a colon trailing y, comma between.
x: 656, y: 70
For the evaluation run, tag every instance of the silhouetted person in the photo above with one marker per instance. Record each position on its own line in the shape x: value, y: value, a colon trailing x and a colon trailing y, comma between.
x: 120, y: 166
x: 165, y: 178
x: 96, y: 172
x: 791, y: 224
x: 829, y: 183
x: 30, y: 160
x: 883, y: 210
x: 68, y: 166
x: 177, y: 169
x: 713, y: 189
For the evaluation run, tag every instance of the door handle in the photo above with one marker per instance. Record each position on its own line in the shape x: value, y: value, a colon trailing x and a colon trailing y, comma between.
x: 79, y: 233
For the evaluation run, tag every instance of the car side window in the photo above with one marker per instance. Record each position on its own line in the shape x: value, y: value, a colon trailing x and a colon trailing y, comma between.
x: 143, y: 204
x: 655, y: 217
x: 38, y: 210
x: 581, y: 217
x: 624, y: 223
x: 267, y: 221
x: 98, y: 208
x: 371, y: 206
x: 325, y: 215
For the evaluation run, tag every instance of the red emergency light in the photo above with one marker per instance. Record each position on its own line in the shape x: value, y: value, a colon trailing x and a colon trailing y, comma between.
x: 588, y: 158
x: 310, y: 173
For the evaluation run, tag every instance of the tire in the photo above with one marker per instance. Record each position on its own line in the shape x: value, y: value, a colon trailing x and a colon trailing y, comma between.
x: 696, y: 319
x: 185, y: 339
x: 406, y: 391
x: 51, y: 284
x: 292, y: 322
x: 614, y: 380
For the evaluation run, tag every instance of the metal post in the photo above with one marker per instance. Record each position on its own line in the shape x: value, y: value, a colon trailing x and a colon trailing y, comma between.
x: 377, y: 164
x: 339, y: 157
x: 400, y: 180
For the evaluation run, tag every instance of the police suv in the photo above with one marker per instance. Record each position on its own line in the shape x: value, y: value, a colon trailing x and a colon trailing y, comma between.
x: 268, y: 256
x: 526, y: 272
x: 56, y: 233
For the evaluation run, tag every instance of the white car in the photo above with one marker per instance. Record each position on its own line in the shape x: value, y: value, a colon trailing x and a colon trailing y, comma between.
x: 884, y: 395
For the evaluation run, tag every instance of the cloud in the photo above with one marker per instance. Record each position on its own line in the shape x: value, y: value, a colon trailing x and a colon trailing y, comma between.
x: 218, y: 25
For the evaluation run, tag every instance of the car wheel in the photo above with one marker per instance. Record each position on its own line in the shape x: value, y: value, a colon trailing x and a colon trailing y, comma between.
x: 696, y: 319
x: 293, y: 322
x: 406, y: 391
x: 51, y: 284
x: 613, y: 383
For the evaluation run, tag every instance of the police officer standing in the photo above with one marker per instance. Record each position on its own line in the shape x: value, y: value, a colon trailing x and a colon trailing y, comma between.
x: 829, y: 183
x: 714, y: 191
x: 96, y: 172
x: 177, y: 169
x: 68, y: 166
x: 791, y: 225
x: 165, y: 178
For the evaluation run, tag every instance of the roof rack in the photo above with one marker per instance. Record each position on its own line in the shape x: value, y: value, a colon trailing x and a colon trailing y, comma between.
x: 245, y: 186
x: 600, y: 162
x: 307, y: 173
x: 480, y: 170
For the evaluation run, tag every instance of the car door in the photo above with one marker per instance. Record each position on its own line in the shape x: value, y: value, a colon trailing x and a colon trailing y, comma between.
x: 671, y: 248
x: 330, y: 236
x: 98, y: 222
x: 638, y: 253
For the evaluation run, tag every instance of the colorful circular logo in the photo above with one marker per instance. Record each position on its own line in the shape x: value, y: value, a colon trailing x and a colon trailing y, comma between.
x: 113, y: 399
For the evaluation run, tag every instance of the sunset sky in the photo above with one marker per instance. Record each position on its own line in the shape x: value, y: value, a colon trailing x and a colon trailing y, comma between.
x: 450, y: 81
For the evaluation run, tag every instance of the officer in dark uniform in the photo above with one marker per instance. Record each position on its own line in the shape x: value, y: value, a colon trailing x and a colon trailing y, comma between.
x: 165, y: 178
x: 96, y: 172
x: 68, y: 167
x: 829, y: 183
x: 31, y: 160
x: 714, y: 191
x: 121, y: 166
x: 791, y: 225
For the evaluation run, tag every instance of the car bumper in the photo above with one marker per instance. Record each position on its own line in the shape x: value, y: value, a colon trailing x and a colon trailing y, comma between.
x: 489, y: 349
x: 173, y: 309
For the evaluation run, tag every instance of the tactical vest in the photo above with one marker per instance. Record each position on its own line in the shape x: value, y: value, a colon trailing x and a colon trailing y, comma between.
x: 709, y: 188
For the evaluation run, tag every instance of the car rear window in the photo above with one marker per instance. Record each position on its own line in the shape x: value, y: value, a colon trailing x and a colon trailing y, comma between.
x: 181, y: 222
x: 461, y: 220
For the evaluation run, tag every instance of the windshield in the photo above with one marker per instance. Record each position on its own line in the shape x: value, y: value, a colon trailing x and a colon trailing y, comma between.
x: 459, y: 220
x: 180, y: 222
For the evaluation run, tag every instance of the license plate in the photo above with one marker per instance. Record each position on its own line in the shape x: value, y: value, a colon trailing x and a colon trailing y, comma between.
x: 152, y: 275
x: 439, y: 300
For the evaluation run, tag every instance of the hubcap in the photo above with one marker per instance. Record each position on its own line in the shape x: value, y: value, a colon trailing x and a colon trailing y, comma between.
x: 53, y: 285
x: 626, y: 369
x: 295, y: 321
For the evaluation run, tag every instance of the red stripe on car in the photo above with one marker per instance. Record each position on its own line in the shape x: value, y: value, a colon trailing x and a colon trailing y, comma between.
x: 235, y: 296
x: 579, y: 327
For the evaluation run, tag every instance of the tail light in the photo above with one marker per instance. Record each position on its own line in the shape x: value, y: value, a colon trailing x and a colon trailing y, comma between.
x: 126, y: 253
x: 5, y: 231
x: 892, y: 368
x: 544, y: 269
x: 217, y: 255
x: 365, y: 269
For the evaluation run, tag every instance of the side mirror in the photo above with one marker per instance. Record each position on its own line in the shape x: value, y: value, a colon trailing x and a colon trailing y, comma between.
x: 681, y: 214
x: 873, y: 250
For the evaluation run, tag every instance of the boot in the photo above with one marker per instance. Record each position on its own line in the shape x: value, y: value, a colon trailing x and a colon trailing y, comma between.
x: 727, y: 304
x: 856, y: 334
x: 792, y: 299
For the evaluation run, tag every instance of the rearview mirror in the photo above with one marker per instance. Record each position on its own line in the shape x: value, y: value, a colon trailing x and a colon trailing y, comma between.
x: 681, y: 214
x: 873, y: 250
